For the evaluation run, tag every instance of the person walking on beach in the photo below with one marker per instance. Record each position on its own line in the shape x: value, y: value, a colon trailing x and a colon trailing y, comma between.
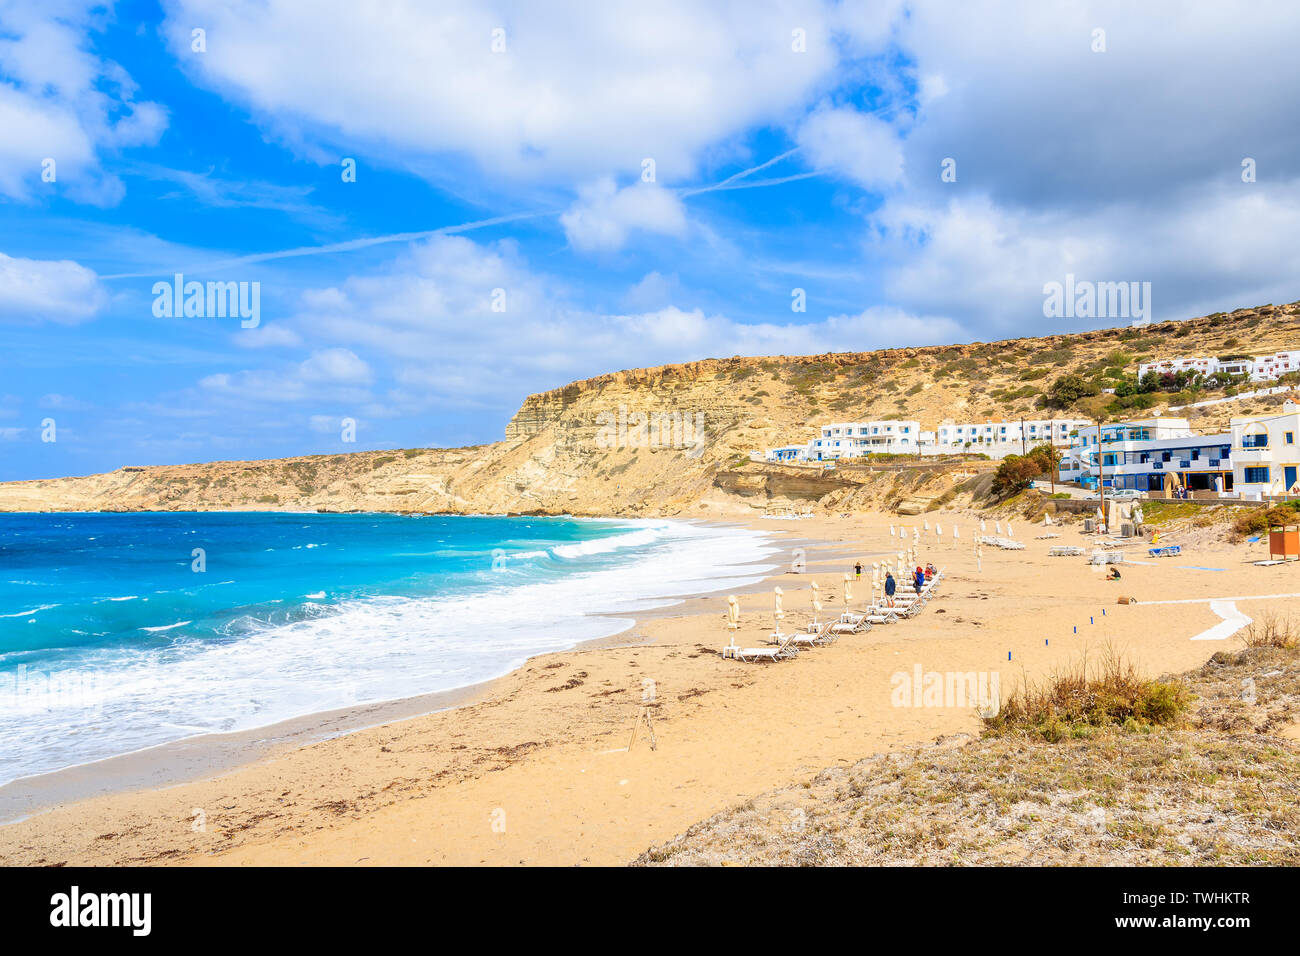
x: 918, y: 580
x: 857, y: 569
x: 890, y: 586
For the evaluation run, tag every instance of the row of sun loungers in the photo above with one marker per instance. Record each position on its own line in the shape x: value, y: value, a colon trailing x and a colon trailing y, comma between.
x: 1006, y: 544
x: 1065, y: 551
x: 784, y: 646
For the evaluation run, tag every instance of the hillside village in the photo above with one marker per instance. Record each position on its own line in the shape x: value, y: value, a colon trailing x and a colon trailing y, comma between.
x: 1255, y: 456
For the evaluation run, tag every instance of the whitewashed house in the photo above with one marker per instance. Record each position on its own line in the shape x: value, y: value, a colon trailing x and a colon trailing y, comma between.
x: 1265, y: 453
x: 1141, y: 454
x: 855, y: 439
x: 1261, y: 368
x: 951, y: 436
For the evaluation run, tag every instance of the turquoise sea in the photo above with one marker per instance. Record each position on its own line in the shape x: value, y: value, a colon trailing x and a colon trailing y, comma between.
x: 123, y: 631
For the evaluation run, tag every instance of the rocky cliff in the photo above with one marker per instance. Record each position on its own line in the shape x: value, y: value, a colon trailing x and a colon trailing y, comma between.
x: 676, y: 439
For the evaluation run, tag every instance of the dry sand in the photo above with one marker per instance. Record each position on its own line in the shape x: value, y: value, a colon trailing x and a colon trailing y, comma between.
x: 537, y: 770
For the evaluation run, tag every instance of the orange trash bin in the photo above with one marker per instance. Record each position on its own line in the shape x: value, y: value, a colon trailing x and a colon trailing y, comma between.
x: 1284, y: 543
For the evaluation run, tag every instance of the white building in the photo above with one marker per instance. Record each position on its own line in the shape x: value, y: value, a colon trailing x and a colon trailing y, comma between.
x: 1265, y: 453
x: 1140, y: 453
x: 787, y: 453
x: 1268, y: 368
x: 854, y: 439
x: 1261, y: 368
x: 1056, y: 431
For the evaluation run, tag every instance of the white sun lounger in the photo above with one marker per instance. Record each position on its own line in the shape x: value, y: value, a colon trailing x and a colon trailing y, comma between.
x: 882, y: 615
x: 796, y: 638
x: 851, y: 624
x: 783, y: 651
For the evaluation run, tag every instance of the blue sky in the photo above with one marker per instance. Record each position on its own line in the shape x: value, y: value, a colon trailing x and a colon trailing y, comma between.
x: 796, y: 145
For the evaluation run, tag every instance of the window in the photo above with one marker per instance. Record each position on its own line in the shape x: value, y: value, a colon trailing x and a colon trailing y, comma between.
x: 1258, y: 440
x: 1290, y: 438
x: 1256, y: 476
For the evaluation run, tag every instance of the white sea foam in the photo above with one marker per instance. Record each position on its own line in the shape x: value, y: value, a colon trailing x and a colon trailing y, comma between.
x: 35, y: 610
x: 371, y: 650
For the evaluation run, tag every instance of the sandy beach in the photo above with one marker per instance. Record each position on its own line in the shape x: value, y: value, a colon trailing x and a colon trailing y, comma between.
x: 535, y: 768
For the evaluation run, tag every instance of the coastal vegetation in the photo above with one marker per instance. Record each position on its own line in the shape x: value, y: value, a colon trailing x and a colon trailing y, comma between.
x: 1185, y: 770
x: 1079, y: 700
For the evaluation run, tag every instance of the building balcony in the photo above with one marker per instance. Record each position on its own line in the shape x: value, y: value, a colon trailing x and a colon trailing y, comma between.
x: 1252, y: 456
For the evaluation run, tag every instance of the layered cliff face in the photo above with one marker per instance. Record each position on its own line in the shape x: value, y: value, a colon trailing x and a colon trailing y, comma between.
x: 675, y: 440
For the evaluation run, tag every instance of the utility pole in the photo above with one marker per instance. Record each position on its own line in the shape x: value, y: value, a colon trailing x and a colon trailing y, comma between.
x: 1051, y: 447
x: 1022, y: 434
x: 1101, y: 474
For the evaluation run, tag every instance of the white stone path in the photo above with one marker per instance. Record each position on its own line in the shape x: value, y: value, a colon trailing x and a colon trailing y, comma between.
x: 1226, y: 607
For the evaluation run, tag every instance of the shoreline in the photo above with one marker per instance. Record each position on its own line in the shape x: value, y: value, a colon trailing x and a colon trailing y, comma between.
x: 547, y: 744
x: 204, y: 756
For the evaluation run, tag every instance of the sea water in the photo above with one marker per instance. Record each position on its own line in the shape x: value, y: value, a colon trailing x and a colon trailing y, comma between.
x: 124, y: 631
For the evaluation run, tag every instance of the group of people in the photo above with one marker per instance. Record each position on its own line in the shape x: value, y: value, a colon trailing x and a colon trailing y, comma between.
x: 920, y: 578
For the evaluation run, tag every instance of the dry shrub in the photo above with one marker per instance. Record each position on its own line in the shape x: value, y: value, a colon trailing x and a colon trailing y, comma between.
x: 1079, y: 700
x: 1270, y: 630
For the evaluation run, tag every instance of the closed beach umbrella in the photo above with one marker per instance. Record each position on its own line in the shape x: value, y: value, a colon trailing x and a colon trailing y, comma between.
x: 938, y: 529
x: 927, y: 524
x: 816, y: 600
x: 1008, y: 529
x: 848, y: 590
x: 776, y: 600
x: 982, y: 528
x: 891, y: 530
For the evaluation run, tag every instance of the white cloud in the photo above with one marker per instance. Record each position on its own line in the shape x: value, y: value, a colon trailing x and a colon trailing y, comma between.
x: 604, y: 215
x: 652, y: 292
x: 335, y: 366
x: 856, y: 145
x: 1031, y: 114
x: 986, y: 264
x: 61, y: 102
x: 582, y: 89
x: 39, y: 290
x: 325, y: 375
x: 429, y: 319
x: 266, y: 336
x: 65, y: 403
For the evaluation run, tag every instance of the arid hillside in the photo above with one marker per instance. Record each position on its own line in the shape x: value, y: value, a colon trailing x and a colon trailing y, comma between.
x: 676, y: 439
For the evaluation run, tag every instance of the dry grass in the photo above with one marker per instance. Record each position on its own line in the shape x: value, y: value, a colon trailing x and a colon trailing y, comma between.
x: 1221, y: 786
x: 1079, y: 700
x: 1270, y: 630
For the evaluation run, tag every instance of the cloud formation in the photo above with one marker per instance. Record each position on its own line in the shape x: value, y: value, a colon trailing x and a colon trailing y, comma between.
x: 62, y: 107
x: 33, y: 291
